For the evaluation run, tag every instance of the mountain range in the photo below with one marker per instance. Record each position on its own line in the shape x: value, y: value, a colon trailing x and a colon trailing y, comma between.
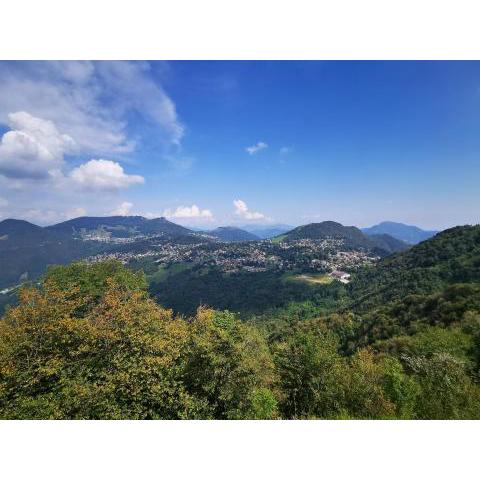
x: 121, y: 225
x: 232, y: 234
x: 26, y: 249
x: 407, y: 233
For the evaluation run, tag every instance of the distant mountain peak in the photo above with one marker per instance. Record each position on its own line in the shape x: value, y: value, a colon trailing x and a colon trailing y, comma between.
x: 232, y: 234
x: 353, y: 237
x: 10, y: 226
x: 401, y: 231
x: 266, y: 230
x: 142, y: 224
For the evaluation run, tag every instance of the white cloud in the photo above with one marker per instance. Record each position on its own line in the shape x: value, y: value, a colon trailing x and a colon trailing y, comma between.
x: 75, y: 213
x: 103, y: 175
x: 49, y: 216
x: 151, y: 215
x: 89, y: 101
x: 241, y: 209
x: 192, y: 212
x: 33, y: 148
x: 123, y: 209
x: 256, y: 148
x: 3, y: 204
x: 141, y: 93
x: 43, y: 217
x: 285, y: 150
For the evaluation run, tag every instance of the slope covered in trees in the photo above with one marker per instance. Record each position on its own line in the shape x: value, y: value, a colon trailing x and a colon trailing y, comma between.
x: 452, y: 256
x: 91, y: 344
x: 125, y: 223
x: 27, y: 249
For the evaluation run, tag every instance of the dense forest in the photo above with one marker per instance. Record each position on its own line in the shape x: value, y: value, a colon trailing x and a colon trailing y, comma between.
x: 401, y: 341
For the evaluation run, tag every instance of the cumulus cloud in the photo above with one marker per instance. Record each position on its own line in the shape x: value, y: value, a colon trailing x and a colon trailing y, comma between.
x: 42, y: 217
x: 90, y: 101
x: 3, y: 203
x: 32, y: 148
x: 75, y: 213
x: 103, y: 175
x: 151, y: 215
x: 241, y: 209
x: 123, y: 209
x: 256, y: 148
x: 50, y: 216
x: 55, y: 113
x: 193, y: 212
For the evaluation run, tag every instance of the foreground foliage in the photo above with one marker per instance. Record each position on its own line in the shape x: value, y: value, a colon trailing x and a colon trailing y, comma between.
x: 91, y: 344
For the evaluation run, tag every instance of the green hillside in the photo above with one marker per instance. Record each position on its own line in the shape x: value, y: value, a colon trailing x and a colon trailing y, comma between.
x: 26, y: 250
x: 353, y: 237
x: 452, y: 256
x: 126, y: 224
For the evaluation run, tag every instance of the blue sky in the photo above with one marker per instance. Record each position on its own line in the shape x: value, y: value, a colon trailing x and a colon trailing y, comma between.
x: 217, y: 143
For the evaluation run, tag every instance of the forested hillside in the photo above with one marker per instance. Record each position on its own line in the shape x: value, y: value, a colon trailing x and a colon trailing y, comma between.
x: 401, y: 341
x: 27, y: 249
x: 452, y: 256
x: 124, y: 224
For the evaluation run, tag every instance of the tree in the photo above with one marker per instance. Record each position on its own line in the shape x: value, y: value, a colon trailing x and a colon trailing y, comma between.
x: 88, y: 282
x: 107, y: 353
x: 228, y: 366
x: 365, y: 396
x: 400, y: 388
x: 311, y: 375
x: 447, y: 392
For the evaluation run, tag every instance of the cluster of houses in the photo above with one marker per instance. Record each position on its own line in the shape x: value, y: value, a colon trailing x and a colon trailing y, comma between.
x: 327, y: 255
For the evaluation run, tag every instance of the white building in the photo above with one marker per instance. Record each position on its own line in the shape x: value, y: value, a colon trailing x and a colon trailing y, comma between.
x: 343, y: 277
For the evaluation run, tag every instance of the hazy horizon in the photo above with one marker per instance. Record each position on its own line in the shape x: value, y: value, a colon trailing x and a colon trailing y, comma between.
x: 243, y: 226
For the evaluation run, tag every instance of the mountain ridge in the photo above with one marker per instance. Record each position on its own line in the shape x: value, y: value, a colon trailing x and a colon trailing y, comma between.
x: 408, y: 233
x: 353, y: 236
x: 142, y: 224
x: 12, y: 225
x: 232, y: 234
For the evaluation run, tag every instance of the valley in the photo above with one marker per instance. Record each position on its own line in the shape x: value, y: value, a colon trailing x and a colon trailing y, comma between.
x: 171, y: 255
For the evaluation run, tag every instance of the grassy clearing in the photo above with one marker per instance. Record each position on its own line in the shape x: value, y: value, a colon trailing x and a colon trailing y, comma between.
x: 278, y: 238
x: 316, y: 278
x: 164, y: 272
